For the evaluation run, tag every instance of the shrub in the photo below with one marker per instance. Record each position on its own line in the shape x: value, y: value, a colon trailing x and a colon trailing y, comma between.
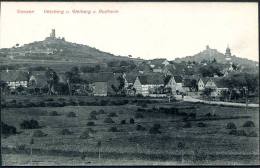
x: 249, y: 124
x: 92, y: 117
x: 201, y: 124
x: 113, y: 129
x: 252, y: 134
x: 85, y: 135
x: 123, y: 122
x: 231, y: 125
x: 139, y: 115
x: 154, y: 131
x: 93, y: 113
x: 8, y: 129
x: 90, y: 130
x: 238, y: 132
x: 29, y: 124
x: 21, y: 147
x: 101, y: 111
x: 91, y: 123
x: 53, y: 113
x: 192, y: 115
x: 208, y: 115
x: 112, y: 114
x: 71, y: 114
x: 39, y: 133
x: 49, y: 99
x: 66, y: 132
x: 157, y: 126
x: 140, y: 128
x: 108, y: 120
x: 187, y: 125
x: 131, y: 121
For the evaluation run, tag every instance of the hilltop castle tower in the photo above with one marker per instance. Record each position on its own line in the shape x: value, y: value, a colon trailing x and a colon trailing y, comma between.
x: 52, y: 35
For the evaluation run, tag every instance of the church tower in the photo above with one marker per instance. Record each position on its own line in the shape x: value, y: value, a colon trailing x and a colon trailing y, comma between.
x: 228, y: 54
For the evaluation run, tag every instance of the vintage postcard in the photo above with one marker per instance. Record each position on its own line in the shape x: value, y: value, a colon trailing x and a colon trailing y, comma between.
x: 129, y: 83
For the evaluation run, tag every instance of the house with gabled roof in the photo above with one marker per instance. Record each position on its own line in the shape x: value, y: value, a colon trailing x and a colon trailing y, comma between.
x: 175, y: 84
x: 148, y: 84
x: 37, y: 79
x: 215, y: 84
x: 15, y: 78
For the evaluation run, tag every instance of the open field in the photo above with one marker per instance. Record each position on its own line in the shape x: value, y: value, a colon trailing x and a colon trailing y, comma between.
x: 211, y: 144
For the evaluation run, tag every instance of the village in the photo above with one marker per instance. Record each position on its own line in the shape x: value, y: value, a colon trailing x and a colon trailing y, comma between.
x: 152, y: 78
x: 75, y: 104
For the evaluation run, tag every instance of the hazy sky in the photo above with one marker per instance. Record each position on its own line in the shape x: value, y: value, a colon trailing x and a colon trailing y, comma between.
x: 146, y: 30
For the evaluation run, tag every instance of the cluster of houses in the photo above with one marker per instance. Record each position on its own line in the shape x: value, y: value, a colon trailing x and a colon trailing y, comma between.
x: 153, y: 84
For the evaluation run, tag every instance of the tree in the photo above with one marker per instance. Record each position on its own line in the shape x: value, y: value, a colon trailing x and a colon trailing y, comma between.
x: 120, y: 87
x: 194, y: 84
x: 207, y: 92
x: 52, y: 80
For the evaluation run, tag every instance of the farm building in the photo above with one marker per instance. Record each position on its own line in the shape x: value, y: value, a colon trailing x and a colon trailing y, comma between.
x: 148, y: 84
x: 15, y: 78
x: 176, y: 85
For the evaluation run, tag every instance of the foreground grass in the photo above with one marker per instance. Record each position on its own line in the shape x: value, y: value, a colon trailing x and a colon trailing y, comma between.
x: 131, y: 145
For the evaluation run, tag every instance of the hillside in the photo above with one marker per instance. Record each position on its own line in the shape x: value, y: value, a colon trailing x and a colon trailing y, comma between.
x: 57, y: 50
x: 209, y: 54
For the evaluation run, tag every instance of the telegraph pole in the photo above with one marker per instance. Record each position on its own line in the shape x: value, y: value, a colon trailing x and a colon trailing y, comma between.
x: 246, y: 92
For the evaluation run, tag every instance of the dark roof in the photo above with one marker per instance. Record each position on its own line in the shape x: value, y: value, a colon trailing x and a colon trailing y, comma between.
x: 178, y: 79
x: 158, y: 61
x: 152, y: 79
x: 130, y: 77
x: 187, y: 82
x: 13, y: 75
x: 99, y: 77
x: 219, y: 82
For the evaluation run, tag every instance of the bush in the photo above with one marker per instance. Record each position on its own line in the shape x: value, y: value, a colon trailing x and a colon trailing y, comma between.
x: 139, y: 115
x: 192, y: 115
x: 154, y: 131
x: 101, y: 111
x: 249, y: 124
x: 238, y: 132
x: 108, y: 120
x: 187, y: 125
x: 21, y: 147
x: 93, y: 113
x: 39, y: 133
x: 208, y: 115
x: 8, y: 129
x: 66, y: 132
x: 71, y: 114
x: 113, y: 129
x: 92, y: 117
x: 157, y: 126
x: 231, y: 125
x: 201, y: 124
x: 91, y: 123
x: 252, y: 134
x: 140, y: 128
x: 29, y: 124
x: 85, y: 135
x: 90, y: 130
x: 131, y: 121
x: 123, y: 122
x: 53, y: 113
x: 112, y: 114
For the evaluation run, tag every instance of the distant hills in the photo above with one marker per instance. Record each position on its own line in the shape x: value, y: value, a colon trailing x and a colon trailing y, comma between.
x: 209, y: 54
x: 58, y: 50
x: 54, y: 50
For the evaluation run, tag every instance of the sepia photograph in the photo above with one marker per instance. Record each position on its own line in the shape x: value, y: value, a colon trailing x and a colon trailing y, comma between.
x: 129, y: 83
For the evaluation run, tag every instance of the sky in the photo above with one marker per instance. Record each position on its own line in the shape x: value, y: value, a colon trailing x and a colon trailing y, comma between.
x: 147, y: 30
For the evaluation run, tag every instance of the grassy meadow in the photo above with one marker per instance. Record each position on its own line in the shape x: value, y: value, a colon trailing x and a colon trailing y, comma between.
x: 122, y: 142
